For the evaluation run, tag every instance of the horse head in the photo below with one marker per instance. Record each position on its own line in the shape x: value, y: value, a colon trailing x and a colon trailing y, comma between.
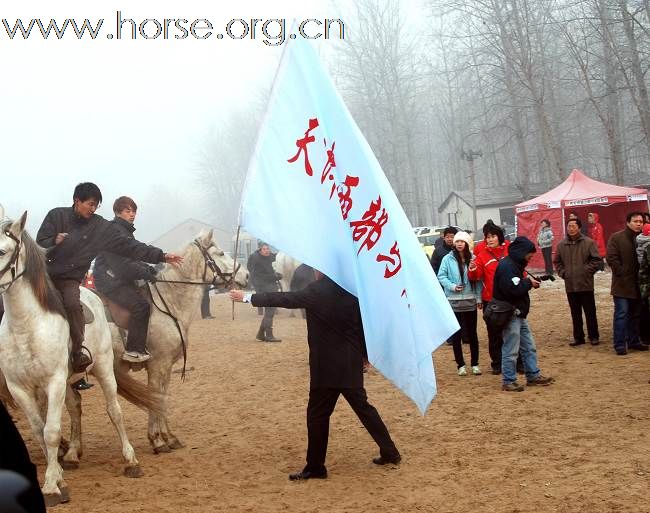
x: 11, y: 233
x: 222, y: 268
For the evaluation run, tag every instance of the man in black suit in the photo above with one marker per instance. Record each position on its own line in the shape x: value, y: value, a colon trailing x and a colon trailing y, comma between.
x: 336, y: 342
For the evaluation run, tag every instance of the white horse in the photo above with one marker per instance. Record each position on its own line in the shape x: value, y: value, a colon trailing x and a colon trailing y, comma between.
x: 34, y: 349
x: 176, y: 300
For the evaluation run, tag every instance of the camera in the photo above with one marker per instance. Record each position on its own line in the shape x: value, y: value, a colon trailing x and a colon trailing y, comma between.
x: 543, y: 277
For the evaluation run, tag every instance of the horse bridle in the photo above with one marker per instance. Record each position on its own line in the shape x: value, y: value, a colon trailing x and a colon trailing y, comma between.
x: 12, y: 265
x: 214, y: 267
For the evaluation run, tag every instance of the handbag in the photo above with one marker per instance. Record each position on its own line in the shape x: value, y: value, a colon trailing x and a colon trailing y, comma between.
x: 498, y: 313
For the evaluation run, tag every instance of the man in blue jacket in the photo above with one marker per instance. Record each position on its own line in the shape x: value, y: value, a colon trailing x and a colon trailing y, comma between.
x: 511, y: 284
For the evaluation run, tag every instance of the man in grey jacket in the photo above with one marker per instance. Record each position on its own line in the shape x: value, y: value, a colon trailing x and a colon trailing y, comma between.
x: 576, y: 261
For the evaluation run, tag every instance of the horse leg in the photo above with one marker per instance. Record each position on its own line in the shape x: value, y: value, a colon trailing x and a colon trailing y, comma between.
x: 156, y: 380
x: 74, y: 447
x: 172, y: 441
x: 103, y: 371
x: 54, y: 489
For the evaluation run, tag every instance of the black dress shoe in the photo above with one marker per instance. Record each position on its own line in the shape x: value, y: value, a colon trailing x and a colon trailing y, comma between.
x: 576, y: 343
x: 81, y: 385
x: 639, y: 347
x: 303, y: 475
x: 382, y: 460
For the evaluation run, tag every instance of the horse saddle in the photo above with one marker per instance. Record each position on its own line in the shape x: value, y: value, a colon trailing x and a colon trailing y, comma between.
x: 118, y: 314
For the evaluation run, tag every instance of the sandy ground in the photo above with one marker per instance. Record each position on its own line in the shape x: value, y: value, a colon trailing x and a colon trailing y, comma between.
x: 579, y: 445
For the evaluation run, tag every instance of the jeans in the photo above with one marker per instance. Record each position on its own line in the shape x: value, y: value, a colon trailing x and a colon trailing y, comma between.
x: 579, y: 301
x: 517, y: 335
x: 626, y: 322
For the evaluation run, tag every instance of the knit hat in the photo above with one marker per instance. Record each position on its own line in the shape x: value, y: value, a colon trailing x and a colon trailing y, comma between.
x: 645, y: 231
x: 464, y: 236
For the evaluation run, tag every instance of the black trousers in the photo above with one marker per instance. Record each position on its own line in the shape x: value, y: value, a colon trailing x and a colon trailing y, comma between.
x: 319, y: 409
x: 128, y: 297
x: 69, y: 290
x: 467, y: 332
x: 205, y: 303
x: 267, y: 320
x: 495, y: 343
x: 547, y: 253
x: 579, y: 302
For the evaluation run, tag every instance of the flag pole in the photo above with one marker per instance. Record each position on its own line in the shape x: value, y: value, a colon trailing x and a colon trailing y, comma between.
x: 234, y: 264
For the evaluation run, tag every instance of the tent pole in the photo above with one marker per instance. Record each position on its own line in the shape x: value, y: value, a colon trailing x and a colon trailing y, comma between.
x: 563, y: 221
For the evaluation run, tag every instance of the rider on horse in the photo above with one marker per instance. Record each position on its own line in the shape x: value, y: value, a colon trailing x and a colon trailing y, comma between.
x: 73, y: 237
x: 115, y: 276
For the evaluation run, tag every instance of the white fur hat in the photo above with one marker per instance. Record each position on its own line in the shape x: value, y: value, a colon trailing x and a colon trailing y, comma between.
x: 464, y: 236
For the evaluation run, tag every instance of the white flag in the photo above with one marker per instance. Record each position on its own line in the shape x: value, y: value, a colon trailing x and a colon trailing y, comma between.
x: 316, y: 191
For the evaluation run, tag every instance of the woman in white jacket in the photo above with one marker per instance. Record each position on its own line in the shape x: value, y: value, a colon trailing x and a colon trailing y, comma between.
x: 464, y: 297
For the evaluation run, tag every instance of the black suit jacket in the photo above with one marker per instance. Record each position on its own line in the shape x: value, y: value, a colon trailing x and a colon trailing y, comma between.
x: 334, y: 331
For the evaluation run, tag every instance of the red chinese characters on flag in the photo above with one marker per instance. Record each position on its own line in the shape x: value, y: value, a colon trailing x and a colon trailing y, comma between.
x: 370, y: 225
x: 395, y: 261
x: 329, y: 165
x: 344, y: 194
x: 302, y: 146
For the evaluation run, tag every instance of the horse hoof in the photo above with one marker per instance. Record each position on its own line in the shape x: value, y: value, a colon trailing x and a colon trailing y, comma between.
x: 162, y: 449
x: 176, y: 444
x: 52, y: 499
x: 65, y: 493
x: 70, y: 465
x: 133, y: 471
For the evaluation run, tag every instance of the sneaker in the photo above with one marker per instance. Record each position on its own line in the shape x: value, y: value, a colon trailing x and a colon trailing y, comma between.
x: 540, y: 380
x: 512, y: 387
x: 476, y: 370
x: 135, y: 357
x: 462, y: 371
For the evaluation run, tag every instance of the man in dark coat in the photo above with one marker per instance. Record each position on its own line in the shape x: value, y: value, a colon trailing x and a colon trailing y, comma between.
x: 511, y: 284
x: 73, y: 237
x: 621, y: 257
x: 335, y: 337
x: 115, y: 277
x: 443, y: 247
x: 577, y: 260
x: 264, y: 279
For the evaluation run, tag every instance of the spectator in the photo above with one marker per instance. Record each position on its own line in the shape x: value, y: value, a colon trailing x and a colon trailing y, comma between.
x: 577, y: 260
x: 621, y: 256
x: 583, y: 230
x: 642, y: 243
x: 596, y: 233
x: 463, y: 296
x: 511, y: 285
x: 445, y: 246
x: 205, y: 303
x: 545, y: 242
x: 483, y: 269
x: 264, y: 279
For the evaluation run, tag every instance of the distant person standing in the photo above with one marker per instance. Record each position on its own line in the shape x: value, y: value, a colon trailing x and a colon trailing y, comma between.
x: 205, y: 303
x: 596, y: 233
x: 622, y: 258
x: 443, y: 247
x: 545, y: 243
x: 264, y: 279
x: 576, y: 261
x: 642, y: 245
x: 463, y: 296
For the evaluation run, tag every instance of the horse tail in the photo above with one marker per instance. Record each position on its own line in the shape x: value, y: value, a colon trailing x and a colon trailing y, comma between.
x: 137, y: 392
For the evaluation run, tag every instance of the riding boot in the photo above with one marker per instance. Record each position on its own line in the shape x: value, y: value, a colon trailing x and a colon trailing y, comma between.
x: 260, y: 333
x: 80, y: 360
x: 269, y: 336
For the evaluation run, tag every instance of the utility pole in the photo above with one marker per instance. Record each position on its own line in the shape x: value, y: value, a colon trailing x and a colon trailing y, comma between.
x: 470, y: 156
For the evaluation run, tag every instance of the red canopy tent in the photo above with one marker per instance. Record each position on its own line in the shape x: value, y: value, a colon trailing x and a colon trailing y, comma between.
x: 581, y: 195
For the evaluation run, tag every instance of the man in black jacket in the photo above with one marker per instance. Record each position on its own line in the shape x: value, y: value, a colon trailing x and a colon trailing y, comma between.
x: 336, y: 346
x: 443, y: 246
x: 511, y: 284
x: 72, y: 238
x: 115, y: 276
x: 264, y: 279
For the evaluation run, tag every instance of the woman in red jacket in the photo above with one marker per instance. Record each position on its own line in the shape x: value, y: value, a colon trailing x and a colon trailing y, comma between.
x: 483, y: 268
x: 596, y: 233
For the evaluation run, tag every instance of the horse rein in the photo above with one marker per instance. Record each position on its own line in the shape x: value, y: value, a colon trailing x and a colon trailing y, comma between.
x: 11, y: 265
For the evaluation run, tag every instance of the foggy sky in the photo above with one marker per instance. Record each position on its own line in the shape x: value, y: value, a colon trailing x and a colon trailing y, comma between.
x: 128, y: 115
